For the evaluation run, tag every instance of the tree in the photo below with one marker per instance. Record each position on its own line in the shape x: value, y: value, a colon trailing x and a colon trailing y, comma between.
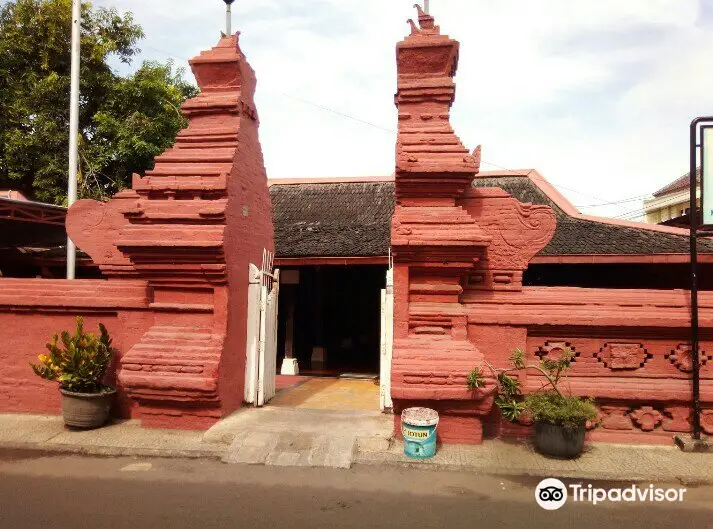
x: 124, y: 121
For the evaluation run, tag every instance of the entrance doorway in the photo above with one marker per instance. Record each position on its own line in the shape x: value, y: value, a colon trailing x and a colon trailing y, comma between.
x: 329, y: 319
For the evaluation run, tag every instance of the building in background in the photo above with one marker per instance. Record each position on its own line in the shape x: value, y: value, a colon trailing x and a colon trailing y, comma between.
x: 670, y: 205
x: 332, y: 240
x: 33, y: 239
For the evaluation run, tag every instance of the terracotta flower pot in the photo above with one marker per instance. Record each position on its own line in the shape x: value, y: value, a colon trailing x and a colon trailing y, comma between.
x: 559, y: 441
x: 87, y: 410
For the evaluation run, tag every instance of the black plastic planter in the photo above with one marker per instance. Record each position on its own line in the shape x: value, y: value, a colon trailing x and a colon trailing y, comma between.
x: 559, y: 441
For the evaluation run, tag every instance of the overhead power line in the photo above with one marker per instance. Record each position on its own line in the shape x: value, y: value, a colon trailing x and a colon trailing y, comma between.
x: 558, y: 185
x: 602, y: 201
x: 630, y: 214
x: 337, y: 112
x: 622, y: 201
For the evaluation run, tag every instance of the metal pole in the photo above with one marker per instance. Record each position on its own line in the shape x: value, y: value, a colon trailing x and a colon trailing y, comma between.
x: 693, y: 213
x: 228, y: 20
x: 693, y: 216
x: 74, y: 127
x: 426, y: 6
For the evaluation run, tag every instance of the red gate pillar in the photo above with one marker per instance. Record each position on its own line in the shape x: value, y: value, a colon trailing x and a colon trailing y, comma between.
x: 190, y: 228
x: 435, y: 242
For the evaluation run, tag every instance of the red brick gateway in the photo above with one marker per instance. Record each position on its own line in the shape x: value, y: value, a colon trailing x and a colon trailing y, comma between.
x: 174, y: 251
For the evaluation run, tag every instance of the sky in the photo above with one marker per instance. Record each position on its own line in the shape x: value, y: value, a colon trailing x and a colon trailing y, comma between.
x: 597, y: 96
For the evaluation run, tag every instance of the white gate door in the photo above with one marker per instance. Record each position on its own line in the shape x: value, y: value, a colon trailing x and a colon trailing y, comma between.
x: 387, y: 341
x: 261, y: 361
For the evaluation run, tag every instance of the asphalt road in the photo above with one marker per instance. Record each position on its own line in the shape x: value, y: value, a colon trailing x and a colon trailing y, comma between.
x: 82, y: 492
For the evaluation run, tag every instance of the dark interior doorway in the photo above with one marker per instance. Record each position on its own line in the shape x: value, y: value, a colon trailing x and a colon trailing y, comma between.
x: 658, y: 276
x: 335, y: 308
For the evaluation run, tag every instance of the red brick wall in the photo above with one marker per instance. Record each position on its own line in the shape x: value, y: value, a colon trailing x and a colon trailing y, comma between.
x: 32, y: 310
x: 630, y: 346
x: 249, y: 230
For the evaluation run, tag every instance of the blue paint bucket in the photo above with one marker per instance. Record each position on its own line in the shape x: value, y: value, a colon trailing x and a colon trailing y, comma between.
x: 418, y: 426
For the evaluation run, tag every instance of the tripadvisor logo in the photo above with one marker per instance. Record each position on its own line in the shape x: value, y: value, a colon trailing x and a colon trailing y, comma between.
x: 551, y: 494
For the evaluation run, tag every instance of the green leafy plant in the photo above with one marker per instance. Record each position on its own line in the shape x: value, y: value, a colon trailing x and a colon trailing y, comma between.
x: 551, y: 405
x: 78, y: 362
x: 563, y: 410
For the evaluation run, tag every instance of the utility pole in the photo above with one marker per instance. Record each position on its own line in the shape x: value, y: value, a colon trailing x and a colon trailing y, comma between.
x: 228, y: 17
x: 74, y: 127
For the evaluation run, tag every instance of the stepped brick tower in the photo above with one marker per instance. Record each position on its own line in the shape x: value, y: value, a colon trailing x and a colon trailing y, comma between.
x: 435, y: 243
x: 438, y: 244
x: 188, y: 230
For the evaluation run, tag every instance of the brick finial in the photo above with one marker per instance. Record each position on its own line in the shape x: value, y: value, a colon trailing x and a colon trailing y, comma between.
x: 427, y: 145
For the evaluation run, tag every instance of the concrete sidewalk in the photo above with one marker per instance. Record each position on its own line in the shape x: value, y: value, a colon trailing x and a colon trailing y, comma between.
x: 290, y: 437
x: 48, y: 433
x: 599, y: 461
x: 283, y: 436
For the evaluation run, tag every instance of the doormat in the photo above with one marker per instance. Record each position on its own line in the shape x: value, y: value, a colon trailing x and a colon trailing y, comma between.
x: 361, y: 376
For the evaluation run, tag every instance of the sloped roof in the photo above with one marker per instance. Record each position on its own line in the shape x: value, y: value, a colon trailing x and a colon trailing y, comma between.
x: 582, y: 235
x: 353, y: 218
x: 682, y: 182
x: 27, y: 223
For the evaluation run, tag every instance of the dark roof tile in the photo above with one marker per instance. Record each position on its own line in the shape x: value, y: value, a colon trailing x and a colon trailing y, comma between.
x: 583, y: 236
x: 332, y: 219
x: 682, y: 182
x: 354, y: 220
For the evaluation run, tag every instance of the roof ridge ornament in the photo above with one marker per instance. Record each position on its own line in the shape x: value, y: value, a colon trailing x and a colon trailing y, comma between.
x: 425, y: 21
x: 476, y: 157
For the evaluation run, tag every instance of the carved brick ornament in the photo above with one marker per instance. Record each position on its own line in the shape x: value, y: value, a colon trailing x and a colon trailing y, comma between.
x: 615, y: 418
x: 682, y: 357
x: 646, y: 418
x: 553, y: 350
x: 623, y: 356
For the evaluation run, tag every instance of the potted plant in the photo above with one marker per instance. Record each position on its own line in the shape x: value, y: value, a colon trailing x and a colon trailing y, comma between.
x: 79, y: 364
x: 560, y: 418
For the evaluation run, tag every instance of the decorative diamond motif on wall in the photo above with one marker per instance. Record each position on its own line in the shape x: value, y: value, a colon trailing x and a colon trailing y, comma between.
x: 616, y: 355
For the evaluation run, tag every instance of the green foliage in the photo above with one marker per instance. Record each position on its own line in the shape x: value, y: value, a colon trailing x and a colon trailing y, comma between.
x: 518, y: 358
x: 510, y: 408
x: 139, y: 120
x: 510, y: 392
x: 563, y: 410
x: 80, y: 362
x: 509, y: 386
x: 476, y: 379
x: 550, y: 406
x: 124, y: 121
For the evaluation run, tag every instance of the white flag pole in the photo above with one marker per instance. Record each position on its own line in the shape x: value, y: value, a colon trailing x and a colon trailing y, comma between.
x: 228, y: 17
x: 74, y: 128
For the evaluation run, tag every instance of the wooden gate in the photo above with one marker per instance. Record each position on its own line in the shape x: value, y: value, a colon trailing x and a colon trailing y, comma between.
x: 261, y: 361
x: 387, y: 341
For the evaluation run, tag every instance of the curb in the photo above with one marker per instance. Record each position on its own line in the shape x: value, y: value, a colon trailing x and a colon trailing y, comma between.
x: 372, y: 459
x: 359, y: 459
x: 113, y: 451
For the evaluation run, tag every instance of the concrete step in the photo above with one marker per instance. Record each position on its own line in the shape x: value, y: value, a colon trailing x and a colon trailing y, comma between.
x: 299, y: 437
x: 292, y: 449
